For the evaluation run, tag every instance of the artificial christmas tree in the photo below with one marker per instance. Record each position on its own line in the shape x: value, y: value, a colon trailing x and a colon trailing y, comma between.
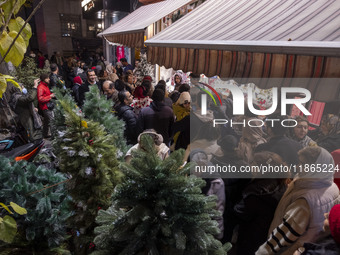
x: 28, y: 71
x: 42, y: 193
x: 86, y: 153
x: 158, y: 209
x: 99, y: 109
x: 143, y: 69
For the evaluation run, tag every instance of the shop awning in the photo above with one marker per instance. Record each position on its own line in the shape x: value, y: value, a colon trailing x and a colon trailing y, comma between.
x: 260, y: 38
x: 130, y: 30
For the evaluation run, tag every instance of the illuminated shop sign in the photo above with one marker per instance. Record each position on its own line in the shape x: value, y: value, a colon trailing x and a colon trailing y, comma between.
x: 87, y: 5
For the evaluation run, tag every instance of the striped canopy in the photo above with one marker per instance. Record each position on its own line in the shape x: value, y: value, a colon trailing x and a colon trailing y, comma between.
x: 260, y: 38
x: 130, y: 30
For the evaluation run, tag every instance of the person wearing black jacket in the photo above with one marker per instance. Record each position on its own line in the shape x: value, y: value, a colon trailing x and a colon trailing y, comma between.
x: 125, y: 112
x: 91, y: 81
x: 22, y: 104
x: 55, y: 80
x: 157, y: 116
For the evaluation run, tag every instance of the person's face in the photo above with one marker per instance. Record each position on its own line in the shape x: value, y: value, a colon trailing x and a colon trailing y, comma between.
x: 107, y: 91
x: 82, y: 64
x: 91, y: 77
x: 301, y: 130
x: 130, y: 79
x: 325, y: 127
x: 128, y: 99
x: 47, y: 80
x: 177, y: 79
x: 186, y: 105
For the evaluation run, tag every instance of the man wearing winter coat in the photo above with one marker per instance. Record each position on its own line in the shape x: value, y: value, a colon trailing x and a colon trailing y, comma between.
x: 157, y: 116
x: 22, y: 104
x: 125, y: 112
x: 91, y: 81
x: 55, y: 80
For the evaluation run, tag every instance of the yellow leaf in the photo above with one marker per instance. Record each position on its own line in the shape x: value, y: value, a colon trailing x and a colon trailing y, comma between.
x: 3, y: 85
x: 18, y: 50
x: 8, y: 229
x: 16, y: 24
x: 1, y: 220
x: 9, y: 5
x: 14, y: 83
x: 7, y: 76
x: 5, y: 206
x: 84, y: 124
x: 5, y: 42
x: 18, y: 209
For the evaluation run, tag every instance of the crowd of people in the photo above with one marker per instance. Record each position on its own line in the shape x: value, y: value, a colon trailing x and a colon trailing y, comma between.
x: 259, y: 215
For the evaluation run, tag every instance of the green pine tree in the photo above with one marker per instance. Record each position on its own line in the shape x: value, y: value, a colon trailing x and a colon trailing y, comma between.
x: 86, y: 153
x: 158, y: 209
x: 144, y: 68
x: 59, y: 112
x: 28, y: 71
x: 43, y: 228
x: 99, y: 109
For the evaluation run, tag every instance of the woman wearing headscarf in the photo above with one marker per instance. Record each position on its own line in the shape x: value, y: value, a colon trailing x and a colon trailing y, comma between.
x: 330, y: 129
x: 111, y: 73
x: 161, y: 148
x: 299, y: 216
x: 142, y: 96
x: 177, y: 81
x: 214, y: 186
x: 300, y: 131
x: 181, y: 109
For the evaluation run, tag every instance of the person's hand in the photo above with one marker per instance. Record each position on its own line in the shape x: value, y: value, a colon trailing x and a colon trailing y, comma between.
x: 36, y: 109
x: 52, y: 95
x: 36, y: 83
x: 299, y: 251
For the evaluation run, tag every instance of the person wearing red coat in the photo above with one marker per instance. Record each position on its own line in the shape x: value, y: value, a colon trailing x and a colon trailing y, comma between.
x: 45, y: 96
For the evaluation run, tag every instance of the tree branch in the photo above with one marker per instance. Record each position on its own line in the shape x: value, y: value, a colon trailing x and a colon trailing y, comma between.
x: 27, y: 20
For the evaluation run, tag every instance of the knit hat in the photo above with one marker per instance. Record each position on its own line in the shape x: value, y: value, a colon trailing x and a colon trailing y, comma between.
x: 185, y: 96
x: 334, y: 222
x: 158, y: 138
x: 78, y: 80
x: 198, y: 156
